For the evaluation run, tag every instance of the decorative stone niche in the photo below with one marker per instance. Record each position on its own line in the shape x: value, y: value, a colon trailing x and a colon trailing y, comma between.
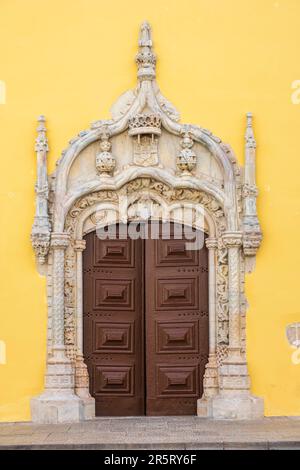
x: 144, y: 155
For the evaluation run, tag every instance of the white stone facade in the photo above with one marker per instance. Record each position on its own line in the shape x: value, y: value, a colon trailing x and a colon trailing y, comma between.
x: 145, y: 154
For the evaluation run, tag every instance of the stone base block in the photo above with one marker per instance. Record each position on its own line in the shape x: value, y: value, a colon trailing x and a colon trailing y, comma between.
x: 204, y: 407
x: 57, y: 407
x: 88, y: 405
x: 231, y: 406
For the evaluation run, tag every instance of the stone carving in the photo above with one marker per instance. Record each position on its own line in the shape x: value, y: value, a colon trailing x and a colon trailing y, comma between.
x: 168, y: 107
x: 121, y: 106
x: 222, y: 353
x: 168, y: 194
x: 40, y: 234
x: 145, y: 151
x: 144, y: 124
x: 293, y: 334
x: 59, y: 242
x: 243, y: 304
x: 145, y: 59
x: 227, y: 199
x: 105, y: 161
x: 186, y: 159
x: 252, y: 235
x: 222, y: 296
x: 145, y: 128
x: 40, y: 243
x: 69, y: 316
x: 145, y: 208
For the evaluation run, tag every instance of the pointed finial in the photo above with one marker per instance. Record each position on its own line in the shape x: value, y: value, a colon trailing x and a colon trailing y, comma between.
x: 40, y: 234
x: 249, y: 135
x: 145, y: 59
x: 41, y: 142
x: 145, y: 38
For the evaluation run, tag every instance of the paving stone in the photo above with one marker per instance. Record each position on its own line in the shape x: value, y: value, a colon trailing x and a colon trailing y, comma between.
x: 288, y: 445
x: 187, y: 432
x: 205, y: 446
x: 245, y: 445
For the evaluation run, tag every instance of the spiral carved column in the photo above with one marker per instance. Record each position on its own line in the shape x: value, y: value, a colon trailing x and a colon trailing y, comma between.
x: 233, y: 242
x: 59, y: 243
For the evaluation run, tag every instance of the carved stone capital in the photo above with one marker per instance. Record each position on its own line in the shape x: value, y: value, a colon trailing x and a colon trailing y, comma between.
x: 79, y: 245
x: 251, y: 243
x: 249, y: 190
x: 60, y: 240
x: 232, y: 239
x: 211, y: 243
x: 41, y: 243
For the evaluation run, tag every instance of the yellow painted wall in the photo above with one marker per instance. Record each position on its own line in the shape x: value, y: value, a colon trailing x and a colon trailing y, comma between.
x: 218, y: 59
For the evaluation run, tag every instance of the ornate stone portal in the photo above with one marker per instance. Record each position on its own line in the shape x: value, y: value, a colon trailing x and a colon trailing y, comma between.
x: 144, y: 163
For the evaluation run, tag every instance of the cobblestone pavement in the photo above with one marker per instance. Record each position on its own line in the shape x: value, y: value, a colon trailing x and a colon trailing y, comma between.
x: 187, y: 432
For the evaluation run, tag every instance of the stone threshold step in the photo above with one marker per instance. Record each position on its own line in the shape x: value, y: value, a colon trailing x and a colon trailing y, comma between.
x: 262, y: 445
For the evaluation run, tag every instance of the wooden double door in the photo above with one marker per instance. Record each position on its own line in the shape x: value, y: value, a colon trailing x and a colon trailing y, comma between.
x: 145, y: 324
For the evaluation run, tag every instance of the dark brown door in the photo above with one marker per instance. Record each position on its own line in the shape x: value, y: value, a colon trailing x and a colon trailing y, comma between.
x: 114, y: 324
x: 145, y: 325
x: 176, y: 325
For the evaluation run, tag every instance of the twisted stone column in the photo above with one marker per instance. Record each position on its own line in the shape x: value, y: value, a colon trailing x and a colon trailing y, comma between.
x: 59, y: 243
x: 233, y: 242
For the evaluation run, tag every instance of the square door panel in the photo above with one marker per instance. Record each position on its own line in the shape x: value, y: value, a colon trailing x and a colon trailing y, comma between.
x: 176, y: 294
x: 113, y: 294
x: 174, y: 253
x: 113, y: 337
x: 177, y: 337
x: 114, y: 380
x: 177, y: 380
x: 113, y: 253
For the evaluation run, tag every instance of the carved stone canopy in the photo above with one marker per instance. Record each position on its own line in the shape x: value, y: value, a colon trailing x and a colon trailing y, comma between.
x: 145, y: 132
x: 144, y: 159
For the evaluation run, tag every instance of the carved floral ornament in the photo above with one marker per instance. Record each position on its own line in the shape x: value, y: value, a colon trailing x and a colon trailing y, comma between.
x: 145, y: 120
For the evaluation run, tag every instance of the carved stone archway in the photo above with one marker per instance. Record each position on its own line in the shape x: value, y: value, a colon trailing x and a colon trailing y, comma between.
x: 143, y: 154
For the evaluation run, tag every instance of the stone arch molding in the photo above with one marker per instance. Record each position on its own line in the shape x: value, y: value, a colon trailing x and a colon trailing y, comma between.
x: 144, y: 157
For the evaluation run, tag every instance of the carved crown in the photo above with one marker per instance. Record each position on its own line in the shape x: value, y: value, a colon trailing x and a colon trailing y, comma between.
x: 145, y: 124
